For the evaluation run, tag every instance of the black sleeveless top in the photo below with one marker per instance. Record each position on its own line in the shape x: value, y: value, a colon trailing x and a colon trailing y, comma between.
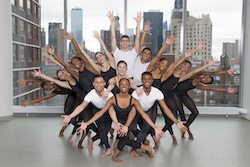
x: 63, y: 91
x: 122, y: 113
x: 182, y: 88
x: 86, y: 78
x: 108, y: 74
x: 167, y: 87
x: 156, y: 83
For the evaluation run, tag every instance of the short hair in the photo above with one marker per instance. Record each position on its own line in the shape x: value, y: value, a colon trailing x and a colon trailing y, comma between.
x: 212, y: 79
x: 75, y: 57
x: 97, y: 53
x: 125, y: 36
x: 187, y: 61
x: 146, y: 49
x: 146, y: 73
x: 98, y: 76
x: 124, y: 79
x: 43, y: 83
x: 163, y: 59
x: 122, y: 61
x: 58, y: 71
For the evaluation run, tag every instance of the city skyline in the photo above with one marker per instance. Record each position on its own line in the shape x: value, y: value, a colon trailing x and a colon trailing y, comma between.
x: 225, y: 30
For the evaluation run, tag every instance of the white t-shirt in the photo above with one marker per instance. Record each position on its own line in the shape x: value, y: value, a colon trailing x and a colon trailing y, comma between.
x: 96, y: 100
x: 129, y: 57
x: 139, y: 69
x: 147, y: 101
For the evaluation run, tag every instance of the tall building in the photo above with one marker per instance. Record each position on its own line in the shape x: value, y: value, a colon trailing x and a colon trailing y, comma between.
x: 164, y: 29
x: 26, y: 47
x: 43, y: 38
x: 147, y: 42
x: 198, y: 30
x: 156, y: 19
x: 130, y: 33
x: 53, y: 34
x: 231, y: 49
x: 76, y: 24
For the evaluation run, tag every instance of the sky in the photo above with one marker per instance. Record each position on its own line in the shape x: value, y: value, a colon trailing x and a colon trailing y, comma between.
x: 224, y: 14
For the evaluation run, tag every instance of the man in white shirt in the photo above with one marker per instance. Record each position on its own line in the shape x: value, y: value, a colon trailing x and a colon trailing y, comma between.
x: 103, y: 123
x: 147, y: 100
x: 129, y: 56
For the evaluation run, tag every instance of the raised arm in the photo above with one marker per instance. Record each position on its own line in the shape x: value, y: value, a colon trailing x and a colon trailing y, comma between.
x: 24, y: 81
x: 188, y: 75
x: 26, y: 102
x: 146, y: 29
x: 46, y: 55
x: 85, y: 60
x: 76, y: 112
x: 112, y: 27
x: 229, y: 89
x: 199, y: 47
x: 168, y: 42
x: 56, y: 81
x: 230, y: 72
x: 137, y: 36
x: 84, y: 125
x: 52, y: 52
x: 92, y: 63
x: 111, y: 59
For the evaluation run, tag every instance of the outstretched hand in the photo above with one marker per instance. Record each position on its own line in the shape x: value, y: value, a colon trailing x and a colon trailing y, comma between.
x: 170, y: 40
x: 139, y: 91
x: 25, y: 103
x: 96, y: 34
x: 37, y: 73
x: 82, y: 127
x: 123, y: 131
x: 159, y: 132
x: 147, y: 26
x: 213, y: 61
x: 21, y: 81
x: 46, y: 55
x: 139, y: 17
x: 201, y: 45
x: 231, y: 71
x: 50, y: 50
x: 188, y: 54
x: 111, y: 15
x: 181, y: 126
x: 66, y: 120
x: 68, y: 35
x: 232, y: 90
x: 105, y: 94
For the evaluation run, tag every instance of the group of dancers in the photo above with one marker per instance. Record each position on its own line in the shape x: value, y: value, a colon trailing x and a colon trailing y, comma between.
x: 130, y: 86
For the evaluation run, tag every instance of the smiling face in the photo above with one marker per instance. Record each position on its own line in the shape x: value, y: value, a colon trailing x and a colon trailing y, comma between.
x: 163, y: 64
x: 63, y: 75
x: 122, y: 68
x: 48, y: 86
x: 124, y: 85
x: 100, y: 58
x: 185, y: 66
x: 99, y: 84
x: 76, y: 63
x: 206, y: 79
x: 147, y: 81
x: 146, y: 55
x: 125, y: 42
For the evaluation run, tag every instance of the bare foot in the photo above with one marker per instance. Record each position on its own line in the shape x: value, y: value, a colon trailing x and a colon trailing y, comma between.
x: 174, y: 140
x: 108, y: 152
x: 70, y: 139
x: 156, y: 145
x: 90, y: 144
x: 150, y: 152
x: 191, y: 137
x: 111, y: 131
x: 100, y: 144
x: 134, y: 153
x: 114, y: 158
x: 146, y: 142
x: 183, y: 135
x: 62, y: 130
x: 80, y: 146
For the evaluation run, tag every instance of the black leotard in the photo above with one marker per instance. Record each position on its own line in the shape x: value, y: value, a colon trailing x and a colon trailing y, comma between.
x: 182, y: 88
x: 167, y: 86
x: 86, y: 78
x: 108, y: 74
x: 156, y: 83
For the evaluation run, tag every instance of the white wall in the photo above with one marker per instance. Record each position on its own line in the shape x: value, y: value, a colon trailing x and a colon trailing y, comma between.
x: 6, y: 85
x: 245, y: 63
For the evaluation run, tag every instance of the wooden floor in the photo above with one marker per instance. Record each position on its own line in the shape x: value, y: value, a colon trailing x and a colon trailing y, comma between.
x: 34, y: 142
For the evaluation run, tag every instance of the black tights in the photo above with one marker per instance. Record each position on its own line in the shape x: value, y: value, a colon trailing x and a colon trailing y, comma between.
x: 126, y: 141
x: 172, y: 106
x: 189, y: 103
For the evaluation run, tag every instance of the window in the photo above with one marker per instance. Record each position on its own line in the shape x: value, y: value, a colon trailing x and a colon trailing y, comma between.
x: 30, y: 32
x: 22, y: 28
x: 21, y: 4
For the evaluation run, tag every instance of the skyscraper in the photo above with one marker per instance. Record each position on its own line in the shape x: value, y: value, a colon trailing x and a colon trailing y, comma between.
x: 156, y: 19
x: 164, y: 28
x: 53, y: 34
x: 26, y: 48
x: 76, y: 24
